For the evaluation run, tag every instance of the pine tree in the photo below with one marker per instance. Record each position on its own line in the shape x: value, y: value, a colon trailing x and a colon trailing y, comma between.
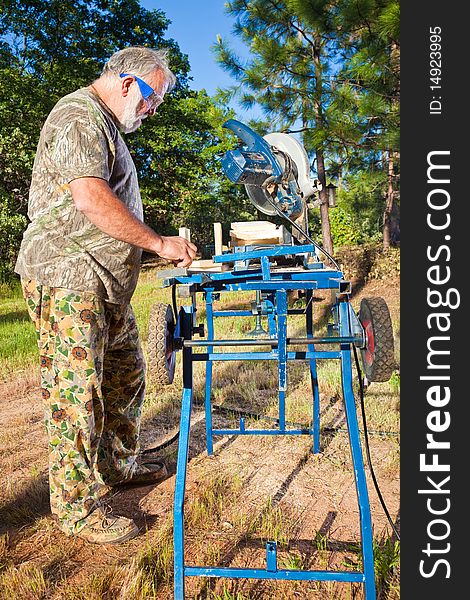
x: 368, y: 33
x: 289, y: 77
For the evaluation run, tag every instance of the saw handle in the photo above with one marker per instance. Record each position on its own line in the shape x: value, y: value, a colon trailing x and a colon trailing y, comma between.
x: 252, y: 140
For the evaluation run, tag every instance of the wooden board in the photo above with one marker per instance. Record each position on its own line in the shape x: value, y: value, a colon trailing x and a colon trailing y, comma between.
x: 208, y: 265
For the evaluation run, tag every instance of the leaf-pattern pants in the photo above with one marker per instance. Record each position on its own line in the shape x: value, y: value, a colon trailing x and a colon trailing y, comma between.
x: 93, y: 385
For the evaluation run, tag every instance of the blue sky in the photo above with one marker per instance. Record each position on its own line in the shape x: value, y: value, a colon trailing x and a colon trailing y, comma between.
x: 195, y: 25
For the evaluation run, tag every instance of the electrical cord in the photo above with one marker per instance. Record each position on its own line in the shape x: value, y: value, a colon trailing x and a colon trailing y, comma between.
x: 174, y: 303
x: 356, y: 359
x: 366, y: 432
x: 361, y: 387
x: 366, y: 444
x: 250, y: 415
x: 161, y: 446
x: 266, y: 183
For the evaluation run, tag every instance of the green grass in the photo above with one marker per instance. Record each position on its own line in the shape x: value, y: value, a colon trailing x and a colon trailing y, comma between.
x: 126, y: 582
x: 18, y: 347
x: 227, y: 595
x: 386, y: 559
x: 25, y: 581
x: 147, y: 293
x: 274, y: 524
x: 209, y: 505
x: 156, y: 559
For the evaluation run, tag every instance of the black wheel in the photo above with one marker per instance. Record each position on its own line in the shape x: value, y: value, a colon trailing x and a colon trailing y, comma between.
x: 160, y: 348
x: 378, y: 355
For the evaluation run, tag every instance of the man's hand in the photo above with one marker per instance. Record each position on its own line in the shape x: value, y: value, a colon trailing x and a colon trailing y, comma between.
x: 178, y: 250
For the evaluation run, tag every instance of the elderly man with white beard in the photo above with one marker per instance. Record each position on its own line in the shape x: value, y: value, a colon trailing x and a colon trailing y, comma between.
x: 79, y: 263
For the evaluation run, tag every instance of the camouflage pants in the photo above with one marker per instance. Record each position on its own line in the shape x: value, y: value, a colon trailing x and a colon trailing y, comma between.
x: 92, y: 382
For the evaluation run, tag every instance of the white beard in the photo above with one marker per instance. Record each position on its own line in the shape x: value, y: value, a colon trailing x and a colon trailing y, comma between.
x: 129, y: 121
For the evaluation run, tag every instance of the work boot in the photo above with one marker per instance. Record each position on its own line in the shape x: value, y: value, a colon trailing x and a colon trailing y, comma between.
x: 104, y: 527
x: 149, y: 471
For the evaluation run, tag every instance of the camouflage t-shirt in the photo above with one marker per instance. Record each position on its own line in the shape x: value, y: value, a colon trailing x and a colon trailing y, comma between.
x: 61, y: 247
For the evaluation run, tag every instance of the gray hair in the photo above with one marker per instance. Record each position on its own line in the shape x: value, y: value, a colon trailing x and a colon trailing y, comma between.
x: 140, y: 61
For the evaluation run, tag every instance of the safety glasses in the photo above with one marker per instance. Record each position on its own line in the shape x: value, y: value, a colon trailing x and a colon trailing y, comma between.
x: 151, y: 97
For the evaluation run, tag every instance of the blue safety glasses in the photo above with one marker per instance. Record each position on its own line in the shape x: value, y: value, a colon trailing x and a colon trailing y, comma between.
x: 151, y: 97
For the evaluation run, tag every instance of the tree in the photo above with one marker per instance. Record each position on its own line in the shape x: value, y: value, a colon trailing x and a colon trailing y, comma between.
x: 289, y: 77
x: 370, y: 82
x: 375, y: 67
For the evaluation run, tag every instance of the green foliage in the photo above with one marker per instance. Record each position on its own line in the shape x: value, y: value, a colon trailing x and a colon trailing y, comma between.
x: 226, y: 594
x: 344, y: 226
x: 357, y: 216
x: 362, y: 195
x: 11, y: 229
x: 386, y: 558
x: 372, y: 68
x: 65, y: 42
x: 394, y: 382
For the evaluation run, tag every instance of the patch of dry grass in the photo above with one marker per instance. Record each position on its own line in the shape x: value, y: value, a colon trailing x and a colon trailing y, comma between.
x: 24, y: 582
x: 129, y: 581
x: 208, y: 506
x: 25, y: 501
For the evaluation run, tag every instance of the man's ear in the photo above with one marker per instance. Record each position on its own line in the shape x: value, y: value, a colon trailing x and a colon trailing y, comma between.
x: 125, y: 85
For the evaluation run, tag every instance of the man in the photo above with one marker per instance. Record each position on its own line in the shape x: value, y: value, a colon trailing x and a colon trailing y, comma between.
x: 79, y: 264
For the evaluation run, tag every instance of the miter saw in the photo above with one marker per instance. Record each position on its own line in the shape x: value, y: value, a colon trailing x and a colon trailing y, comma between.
x: 275, y: 171
x: 276, y: 174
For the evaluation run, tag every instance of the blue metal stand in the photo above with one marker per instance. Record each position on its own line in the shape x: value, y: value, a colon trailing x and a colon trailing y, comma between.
x: 273, y: 287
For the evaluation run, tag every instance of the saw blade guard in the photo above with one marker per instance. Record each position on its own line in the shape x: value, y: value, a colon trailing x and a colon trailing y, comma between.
x: 277, y: 159
x: 291, y: 147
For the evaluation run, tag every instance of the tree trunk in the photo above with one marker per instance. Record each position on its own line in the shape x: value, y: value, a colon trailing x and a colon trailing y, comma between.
x: 323, y: 194
x: 387, y: 219
x: 392, y: 156
x: 324, y: 215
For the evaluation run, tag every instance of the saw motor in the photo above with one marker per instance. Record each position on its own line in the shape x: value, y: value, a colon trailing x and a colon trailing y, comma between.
x: 274, y: 169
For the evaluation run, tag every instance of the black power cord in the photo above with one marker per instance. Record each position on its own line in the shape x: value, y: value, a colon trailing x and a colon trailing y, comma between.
x: 366, y: 444
x: 265, y: 185
x: 224, y: 409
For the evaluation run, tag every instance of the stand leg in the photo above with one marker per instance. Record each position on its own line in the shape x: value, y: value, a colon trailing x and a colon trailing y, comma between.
x: 313, y: 376
x: 208, y: 385
x: 181, y: 467
x: 282, y: 352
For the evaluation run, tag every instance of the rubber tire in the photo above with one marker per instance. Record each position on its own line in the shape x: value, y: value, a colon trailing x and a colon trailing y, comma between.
x: 378, y: 357
x: 161, y: 359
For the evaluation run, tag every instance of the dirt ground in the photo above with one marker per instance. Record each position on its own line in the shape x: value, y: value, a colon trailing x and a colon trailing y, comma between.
x: 310, y: 497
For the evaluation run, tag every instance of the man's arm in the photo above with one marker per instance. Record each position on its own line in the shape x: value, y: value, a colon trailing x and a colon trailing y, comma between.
x: 94, y: 198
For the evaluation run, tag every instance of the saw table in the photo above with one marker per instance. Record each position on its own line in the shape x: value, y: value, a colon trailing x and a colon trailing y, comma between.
x: 275, y: 171
x: 272, y: 285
